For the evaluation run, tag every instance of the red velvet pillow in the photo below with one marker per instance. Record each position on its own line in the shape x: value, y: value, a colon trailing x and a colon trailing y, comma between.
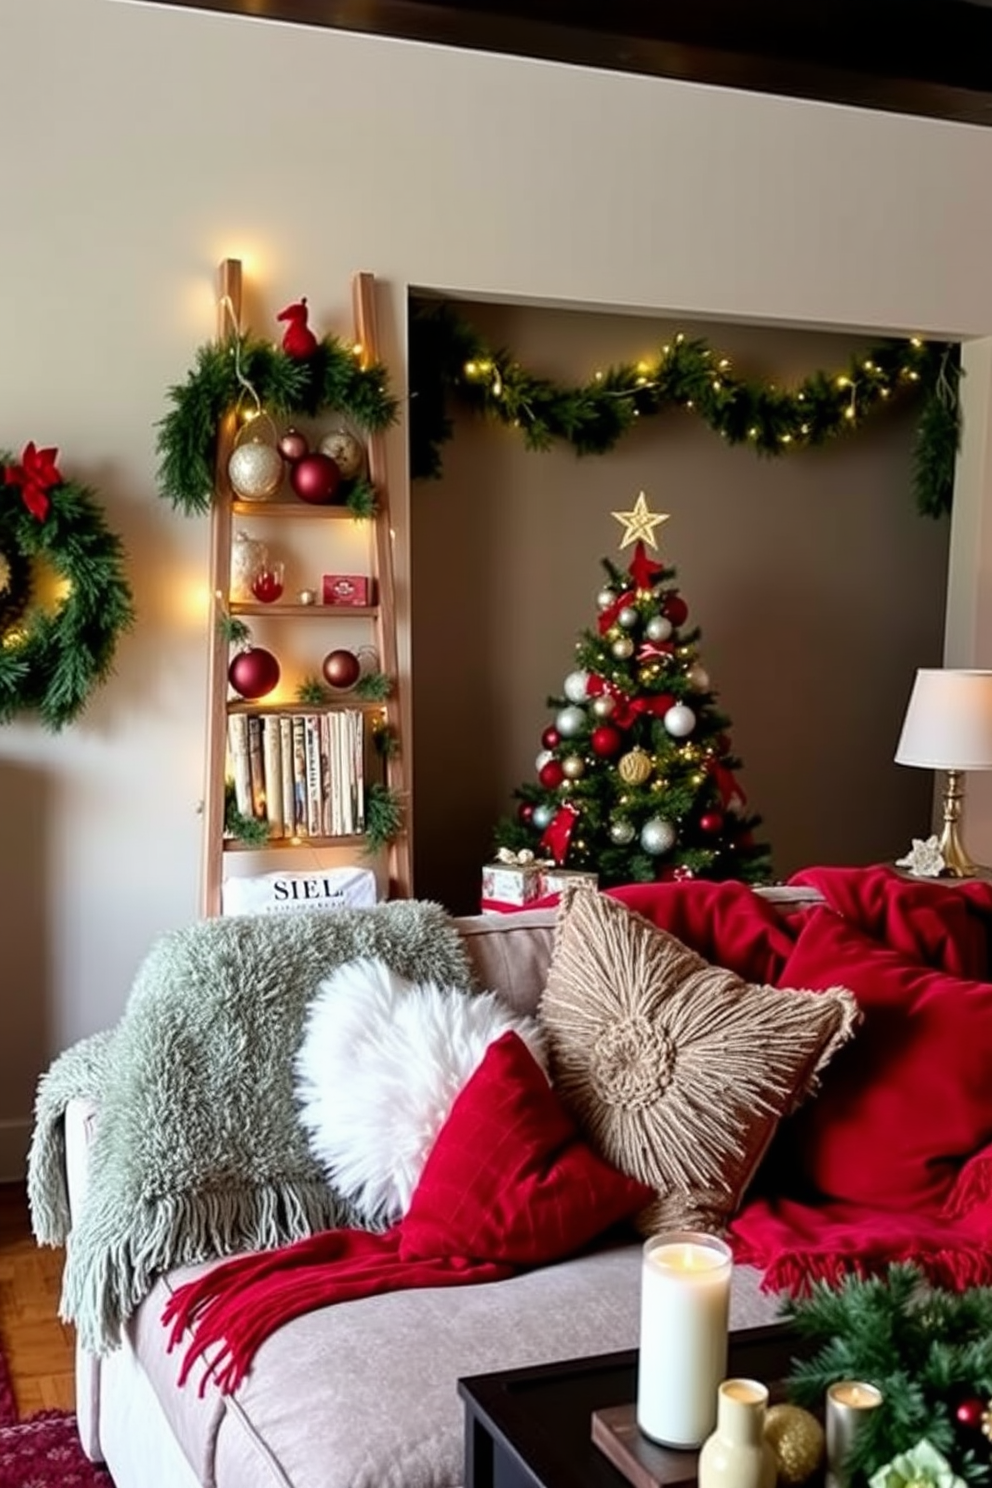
x: 727, y: 923
x: 909, y: 1099
x: 509, y: 1178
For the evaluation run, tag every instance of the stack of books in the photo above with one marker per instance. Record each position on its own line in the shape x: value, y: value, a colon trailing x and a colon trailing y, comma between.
x: 302, y: 773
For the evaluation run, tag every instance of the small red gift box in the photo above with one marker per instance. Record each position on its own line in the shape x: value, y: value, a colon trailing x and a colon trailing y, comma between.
x: 347, y: 589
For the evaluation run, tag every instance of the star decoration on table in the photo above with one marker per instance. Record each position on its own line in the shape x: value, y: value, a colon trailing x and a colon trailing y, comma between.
x: 924, y: 859
x: 639, y: 524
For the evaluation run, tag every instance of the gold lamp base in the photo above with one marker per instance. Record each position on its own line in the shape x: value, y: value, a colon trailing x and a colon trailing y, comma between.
x: 957, y: 863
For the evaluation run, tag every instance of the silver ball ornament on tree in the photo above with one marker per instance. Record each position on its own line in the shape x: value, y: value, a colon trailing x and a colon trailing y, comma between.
x: 542, y: 760
x: 543, y: 816
x: 623, y: 648
x: 679, y: 721
x: 346, y: 452
x: 604, y: 705
x: 658, y: 628
x: 628, y: 617
x: 570, y: 721
x: 574, y: 767
x: 622, y: 832
x: 576, y: 686
x: 657, y: 836
x: 605, y: 598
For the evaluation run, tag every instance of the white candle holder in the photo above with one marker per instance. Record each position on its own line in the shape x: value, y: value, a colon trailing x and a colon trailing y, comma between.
x: 685, y: 1313
x: 849, y: 1404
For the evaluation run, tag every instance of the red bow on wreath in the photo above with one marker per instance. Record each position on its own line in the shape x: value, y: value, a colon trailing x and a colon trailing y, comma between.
x: 36, y: 475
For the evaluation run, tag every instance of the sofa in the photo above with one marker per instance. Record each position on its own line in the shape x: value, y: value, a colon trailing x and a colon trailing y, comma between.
x: 362, y: 1393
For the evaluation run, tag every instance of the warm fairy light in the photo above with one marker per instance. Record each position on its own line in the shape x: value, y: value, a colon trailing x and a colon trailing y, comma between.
x: 470, y: 369
x: 358, y: 349
x: 914, y: 376
x: 642, y: 366
x: 843, y: 382
x: 599, y: 376
x: 723, y: 363
x: 666, y: 350
x: 804, y: 428
x: 679, y: 339
x: 689, y: 403
x: 915, y: 341
x: 849, y: 412
x: 885, y: 392
x: 869, y: 366
x: 716, y: 384
x: 786, y: 438
x: 752, y: 433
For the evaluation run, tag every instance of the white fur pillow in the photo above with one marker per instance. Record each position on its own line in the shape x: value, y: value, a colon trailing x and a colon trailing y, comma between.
x: 376, y: 1075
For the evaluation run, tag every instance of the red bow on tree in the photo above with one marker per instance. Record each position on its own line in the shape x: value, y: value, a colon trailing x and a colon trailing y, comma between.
x: 643, y: 570
x: 36, y: 475
x: 626, y: 708
x: 559, y: 833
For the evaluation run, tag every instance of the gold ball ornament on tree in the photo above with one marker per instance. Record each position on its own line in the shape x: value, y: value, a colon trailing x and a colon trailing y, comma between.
x: 573, y: 767
x: 634, y: 768
x: 797, y: 1439
x: 255, y: 466
x: 346, y: 452
x: 623, y: 648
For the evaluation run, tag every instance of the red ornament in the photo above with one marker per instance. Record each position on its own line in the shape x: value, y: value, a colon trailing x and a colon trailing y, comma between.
x: 293, y: 445
x: 298, y: 340
x: 551, y: 774
x: 315, y: 478
x: 711, y: 821
x: 341, y: 668
x: 969, y: 1414
x: 551, y: 738
x: 525, y: 812
x: 253, y: 672
x: 675, y: 608
x: 606, y: 741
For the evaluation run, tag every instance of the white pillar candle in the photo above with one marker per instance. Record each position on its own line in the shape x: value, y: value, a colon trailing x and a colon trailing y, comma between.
x: 848, y: 1405
x: 685, y: 1309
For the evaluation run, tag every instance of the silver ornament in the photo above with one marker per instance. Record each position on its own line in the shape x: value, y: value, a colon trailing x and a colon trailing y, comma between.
x: 573, y: 766
x: 622, y: 648
x: 621, y: 832
x: 605, y: 598
x: 570, y: 721
x: 604, y: 705
x: 576, y: 686
x: 658, y: 628
x: 698, y: 677
x: 657, y: 835
x: 542, y: 760
x: 346, y: 452
x: 679, y: 721
x: 543, y: 816
x: 628, y: 617
x: 255, y: 470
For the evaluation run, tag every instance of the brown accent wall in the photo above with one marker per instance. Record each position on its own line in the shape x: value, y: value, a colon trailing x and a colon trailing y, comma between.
x: 817, y: 586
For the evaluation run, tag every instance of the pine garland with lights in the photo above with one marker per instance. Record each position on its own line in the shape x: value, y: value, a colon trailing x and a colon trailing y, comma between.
x: 383, y: 816
x: 927, y: 1349
x: 332, y: 377
x: 450, y: 360
x: 53, y: 654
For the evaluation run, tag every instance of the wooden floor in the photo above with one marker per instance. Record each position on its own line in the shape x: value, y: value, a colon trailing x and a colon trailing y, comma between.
x: 37, y: 1347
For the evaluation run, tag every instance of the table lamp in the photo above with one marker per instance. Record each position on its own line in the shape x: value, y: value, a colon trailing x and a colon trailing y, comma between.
x: 948, y: 726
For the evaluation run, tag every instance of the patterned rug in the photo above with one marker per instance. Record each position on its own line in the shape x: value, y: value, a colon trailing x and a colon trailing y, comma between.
x: 44, y: 1451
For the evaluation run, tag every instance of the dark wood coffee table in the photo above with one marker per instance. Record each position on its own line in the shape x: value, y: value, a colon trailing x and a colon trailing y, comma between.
x: 532, y: 1428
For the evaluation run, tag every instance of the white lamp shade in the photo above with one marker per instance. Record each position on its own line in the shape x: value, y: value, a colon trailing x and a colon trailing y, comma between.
x: 948, y: 724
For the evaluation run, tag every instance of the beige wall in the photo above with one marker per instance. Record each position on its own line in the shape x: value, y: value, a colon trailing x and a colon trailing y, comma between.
x: 142, y: 145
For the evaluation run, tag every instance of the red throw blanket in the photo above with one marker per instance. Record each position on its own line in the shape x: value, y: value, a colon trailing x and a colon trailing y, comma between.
x: 509, y: 1183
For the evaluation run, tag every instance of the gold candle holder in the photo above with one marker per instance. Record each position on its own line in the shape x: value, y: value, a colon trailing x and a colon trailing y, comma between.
x: 849, y: 1404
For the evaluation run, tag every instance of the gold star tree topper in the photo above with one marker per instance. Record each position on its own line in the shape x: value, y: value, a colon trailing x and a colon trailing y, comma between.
x: 639, y: 524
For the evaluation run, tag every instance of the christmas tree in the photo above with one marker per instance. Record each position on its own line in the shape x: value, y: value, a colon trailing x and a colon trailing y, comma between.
x: 635, y: 779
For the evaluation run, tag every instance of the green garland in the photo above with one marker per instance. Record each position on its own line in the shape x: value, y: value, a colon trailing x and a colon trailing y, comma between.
x: 332, y: 377
x: 52, y: 657
x: 925, y: 1348
x: 450, y: 360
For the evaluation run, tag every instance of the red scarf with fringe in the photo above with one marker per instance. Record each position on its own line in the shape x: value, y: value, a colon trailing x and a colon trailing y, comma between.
x: 508, y: 1184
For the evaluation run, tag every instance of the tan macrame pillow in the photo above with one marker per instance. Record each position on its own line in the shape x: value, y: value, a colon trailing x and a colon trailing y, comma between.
x: 678, y: 1071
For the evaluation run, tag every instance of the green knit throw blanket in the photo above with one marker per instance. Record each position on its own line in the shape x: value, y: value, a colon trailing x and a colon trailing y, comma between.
x: 198, y: 1152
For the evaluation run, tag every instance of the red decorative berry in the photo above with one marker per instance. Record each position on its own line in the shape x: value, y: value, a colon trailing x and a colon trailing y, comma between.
x: 551, y: 774
x: 711, y: 821
x: 969, y: 1413
x: 551, y: 738
x: 676, y: 609
x: 606, y: 741
x: 525, y: 813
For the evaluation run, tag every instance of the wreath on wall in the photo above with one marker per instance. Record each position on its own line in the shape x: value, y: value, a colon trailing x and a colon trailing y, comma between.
x: 64, y: 599
x: 450, y: 361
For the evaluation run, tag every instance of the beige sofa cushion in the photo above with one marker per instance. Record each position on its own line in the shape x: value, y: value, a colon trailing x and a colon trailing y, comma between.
x: 510, y: 954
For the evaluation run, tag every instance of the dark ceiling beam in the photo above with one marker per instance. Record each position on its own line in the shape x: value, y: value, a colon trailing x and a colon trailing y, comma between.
x: 926, y: 57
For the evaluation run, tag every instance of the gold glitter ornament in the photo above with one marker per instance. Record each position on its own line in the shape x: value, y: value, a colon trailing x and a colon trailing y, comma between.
x: 796, y: 1437
x: 634, y: 768
x: 5, y: 574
